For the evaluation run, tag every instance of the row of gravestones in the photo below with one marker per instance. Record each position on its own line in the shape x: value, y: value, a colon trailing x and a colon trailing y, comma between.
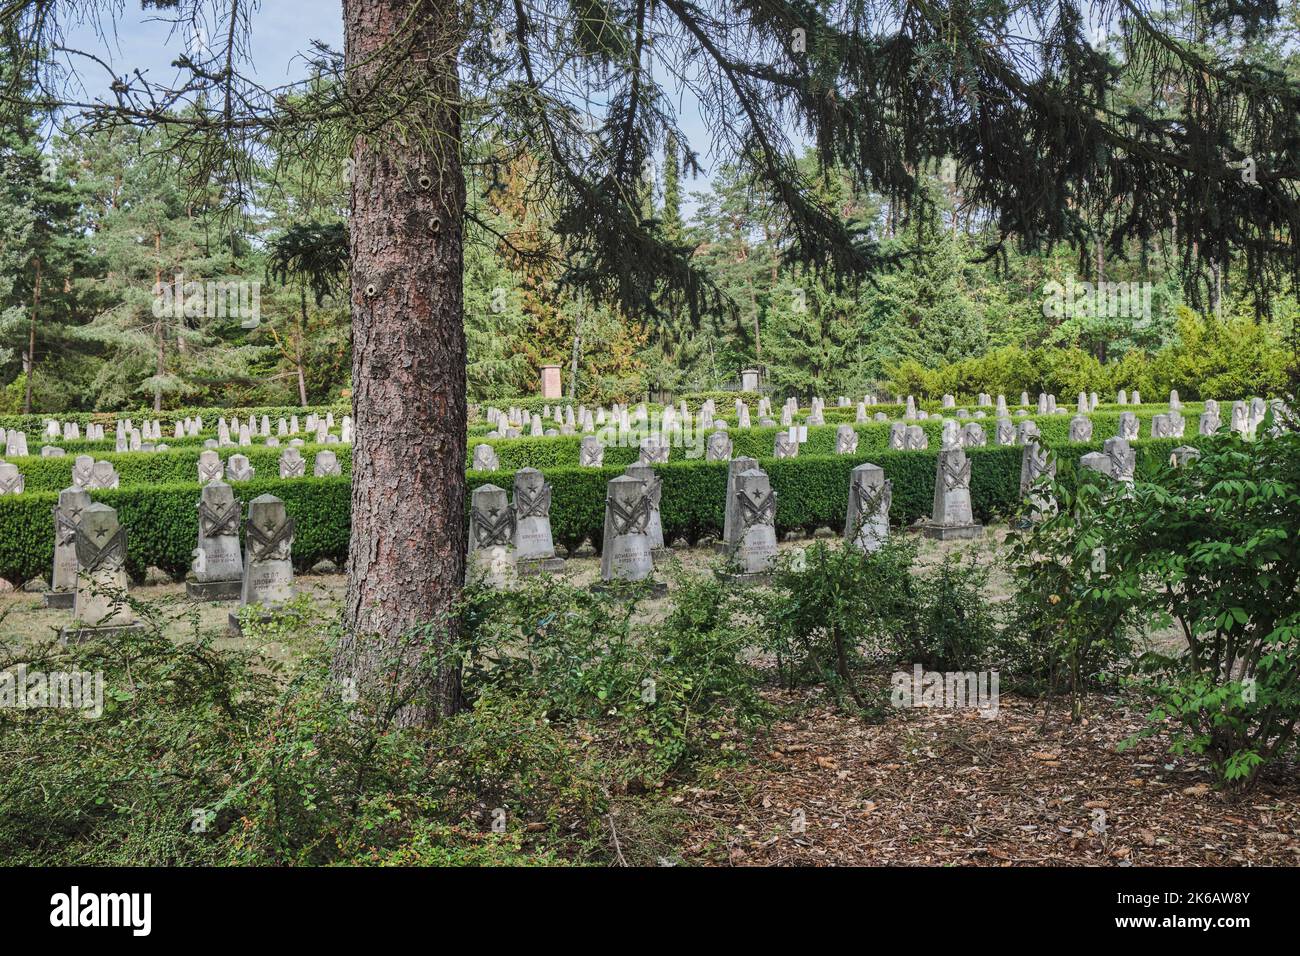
x: 148, y: 436
x: 633, y: 530
x: 1245, y: 419
x: 508, y: 538
x: 902, y: 437
x: 91, y: 474
x: 512, y: 422
x: 292, y: 465
x: 90, y: 549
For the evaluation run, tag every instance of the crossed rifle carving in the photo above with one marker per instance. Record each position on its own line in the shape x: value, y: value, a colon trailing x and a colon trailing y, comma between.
x: 91, y: 557
x: 630, y: 520
x: 489, y: 530
x: 269, y: 545
x: 756, y: 511
x: 214, y: 524
x: 871, y: 500
x: 654, y: 489
x: 958, y: 477
x: 533, y: 506
x: 65, y: 525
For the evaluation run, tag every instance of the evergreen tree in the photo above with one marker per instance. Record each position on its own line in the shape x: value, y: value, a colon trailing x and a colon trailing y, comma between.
x: 42, y: 251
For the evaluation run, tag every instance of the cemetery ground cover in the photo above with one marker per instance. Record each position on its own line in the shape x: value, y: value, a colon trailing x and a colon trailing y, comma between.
x: 887, y: 786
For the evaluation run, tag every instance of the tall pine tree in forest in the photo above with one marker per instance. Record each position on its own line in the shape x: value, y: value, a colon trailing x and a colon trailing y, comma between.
x: 41, y: 247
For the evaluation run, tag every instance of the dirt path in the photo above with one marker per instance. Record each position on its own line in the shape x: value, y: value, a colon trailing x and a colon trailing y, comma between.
x: 952, y: 788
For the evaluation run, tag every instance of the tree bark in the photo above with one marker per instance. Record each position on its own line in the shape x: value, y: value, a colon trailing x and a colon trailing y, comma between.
x: 158, y: 326
x: 31, y: 340
x: 302, y: 335
x: 577, y: 351
x: 406, y: 555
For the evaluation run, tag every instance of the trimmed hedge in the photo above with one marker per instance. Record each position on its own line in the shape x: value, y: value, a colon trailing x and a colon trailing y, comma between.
x: 34, y: 425
x: 561, y: 451
x: 145, y: 469
x: 179, y: 464
x: 812, y: 492
x: 162, y: 524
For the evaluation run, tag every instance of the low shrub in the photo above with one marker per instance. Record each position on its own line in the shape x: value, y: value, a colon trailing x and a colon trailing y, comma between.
x: 948, y: 624
x: 216, y: 756
x: 817, y: 622
x: 1213, y: 549
x: 574, y: 649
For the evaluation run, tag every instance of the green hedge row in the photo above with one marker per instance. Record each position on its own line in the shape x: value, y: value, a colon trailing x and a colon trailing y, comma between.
x: 34, y: 425
x: 873, y: 438
x: 179, y: 465
x: 171, y: 467
x: 812, y: 492
x: 162, y: 524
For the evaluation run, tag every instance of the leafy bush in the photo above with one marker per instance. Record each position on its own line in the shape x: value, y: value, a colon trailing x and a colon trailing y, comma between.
x: 948, y: 624
x: 1213, y: 547
x: 574, y: 649
x: 216, y: 756
x: 819, y: 621
x: 1069, y: 626
x: 1212, y: 357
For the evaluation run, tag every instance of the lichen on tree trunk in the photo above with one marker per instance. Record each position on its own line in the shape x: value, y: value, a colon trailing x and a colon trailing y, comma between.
x: 406, y: 553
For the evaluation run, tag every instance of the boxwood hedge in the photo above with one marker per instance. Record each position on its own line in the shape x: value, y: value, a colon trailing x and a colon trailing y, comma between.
x: 171, y: 467
x: 812, y: 492
x: 34, y: 425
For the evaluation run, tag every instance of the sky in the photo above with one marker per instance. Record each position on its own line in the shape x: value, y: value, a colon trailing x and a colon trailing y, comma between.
x: 281, y: 31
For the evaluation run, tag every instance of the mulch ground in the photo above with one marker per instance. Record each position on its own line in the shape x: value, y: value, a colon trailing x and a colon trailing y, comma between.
x: 951, y: 788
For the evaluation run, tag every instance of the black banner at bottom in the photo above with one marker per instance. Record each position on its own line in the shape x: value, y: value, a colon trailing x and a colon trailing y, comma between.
x: 338, y: 905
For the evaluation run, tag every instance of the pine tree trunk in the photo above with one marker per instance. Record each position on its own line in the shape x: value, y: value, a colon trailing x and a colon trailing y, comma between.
x: 158, y: 326
x: 161, y: 366
x: 31, y: 341
x: 406, y: 556
x: 302, y: 335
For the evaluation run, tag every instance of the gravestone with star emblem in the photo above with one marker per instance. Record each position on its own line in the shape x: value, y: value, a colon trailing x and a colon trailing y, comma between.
x: 326, y: 465
x: 268, y: 558
x: 11, y: 479
x: 654, y: 489
x: 100, y: 608
x: 210, y: 466
x: 292, y: 464
x: 625, y: 554
x: 591, y: 452
x: 718, y: 447
x: 67, y: 516
x: 729, y: 515
x: 752, y: 547
x: 534, y: 545
x: 866, y: 526
x: 238, y: 468
x: 1036, y: 465
x: 218, y: 566
x: 492, y: 558
x: 952, y: 517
